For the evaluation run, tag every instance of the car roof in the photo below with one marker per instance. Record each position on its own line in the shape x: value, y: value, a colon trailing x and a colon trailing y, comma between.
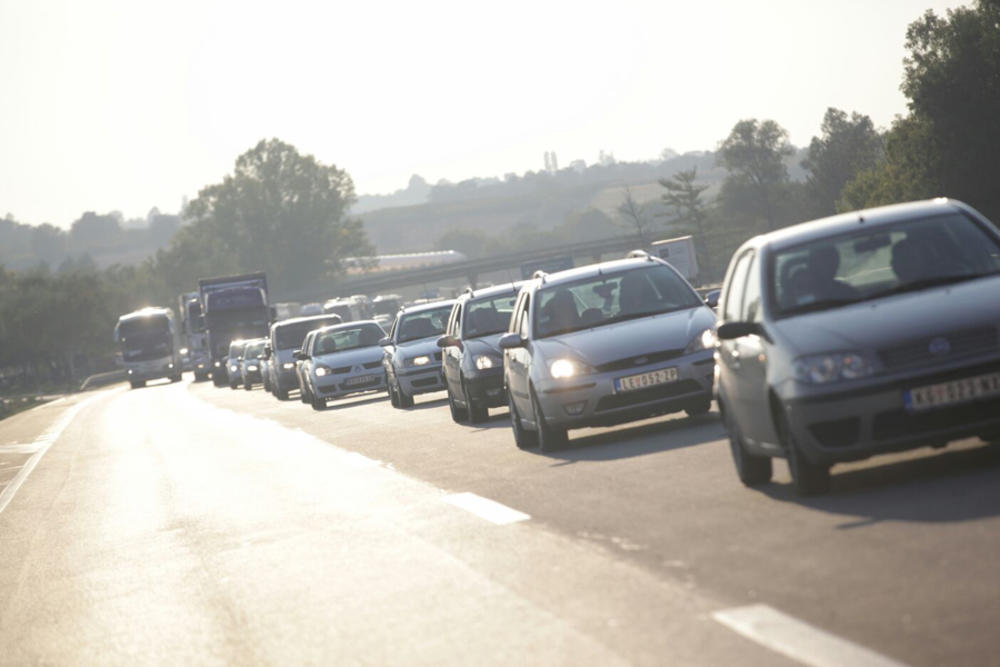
x: 307, y: 318
x: 841, y: 223
x: 493, y: 290
x: 597, y: 269
x: 345, y: 325
x: 433, y: 305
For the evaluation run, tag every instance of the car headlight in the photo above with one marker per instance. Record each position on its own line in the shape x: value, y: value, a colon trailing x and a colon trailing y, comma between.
x: 422, y: 360
x: 485, y: 361
x: 252, y: 369
x: 184, y: 350
x: 234, y: 368
x: 567, y: 368
x: 832, y: 367
x: 218, y: 364
x: 703, y: 341
x: 288, y: 365
x: 322, y: 371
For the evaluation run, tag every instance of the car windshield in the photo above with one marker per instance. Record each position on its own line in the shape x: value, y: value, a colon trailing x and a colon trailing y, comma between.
x: 348, y: 338
x: 487, y: 316
x: 423, y: 324
x: 290, y: 336
x: 860, y: 266
x: 254, y: 350
x: 604, y: 299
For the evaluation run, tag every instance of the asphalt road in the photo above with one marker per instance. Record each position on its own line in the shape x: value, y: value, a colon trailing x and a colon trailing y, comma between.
x: 189, y: 524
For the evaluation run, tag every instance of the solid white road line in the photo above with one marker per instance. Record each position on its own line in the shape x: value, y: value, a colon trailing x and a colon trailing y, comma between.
x: 798, y: 640
x: 486, y: 508
x: 41, y: 445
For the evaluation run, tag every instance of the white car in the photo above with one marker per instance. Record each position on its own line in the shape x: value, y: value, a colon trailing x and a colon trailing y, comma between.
x: 341, y: 360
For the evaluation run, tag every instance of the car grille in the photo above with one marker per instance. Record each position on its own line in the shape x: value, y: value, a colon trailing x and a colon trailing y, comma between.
x: 917, y: 352
x: 373, y: 364
x: 900, y: 423
x: 425, y: 382
x: 341, y: 370
x: 659, y: 392
x: 837, y: 433
x: 638, y: 360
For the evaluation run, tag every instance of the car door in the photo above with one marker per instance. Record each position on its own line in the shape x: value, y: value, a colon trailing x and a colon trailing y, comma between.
x: 730, y: 353
x: 518, y: 360
x: 452, y: 355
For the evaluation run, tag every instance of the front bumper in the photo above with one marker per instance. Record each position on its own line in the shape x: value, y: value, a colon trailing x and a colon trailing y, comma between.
x: 486, y: 388
x: 345, y: 384
x: 421, y: 379
x: 849, y: 424
x: 152, y: 370
x: 591, y: 400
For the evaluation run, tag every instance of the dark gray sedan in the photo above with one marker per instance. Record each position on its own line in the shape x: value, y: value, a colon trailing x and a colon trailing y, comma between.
x: 862, y: 333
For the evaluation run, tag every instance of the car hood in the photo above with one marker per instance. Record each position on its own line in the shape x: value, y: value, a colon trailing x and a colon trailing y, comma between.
x: 484, y: 345
x: 873, y: 325
x: 645, y: 335
x: 364, y: 355
x: 415, y: 348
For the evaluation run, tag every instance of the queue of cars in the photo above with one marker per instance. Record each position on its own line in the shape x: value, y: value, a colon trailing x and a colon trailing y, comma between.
x: 837, y: 339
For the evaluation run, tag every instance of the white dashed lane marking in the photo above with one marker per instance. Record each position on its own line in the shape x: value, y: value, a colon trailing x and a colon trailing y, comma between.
x: 797, y: 639
x: 486, y: 508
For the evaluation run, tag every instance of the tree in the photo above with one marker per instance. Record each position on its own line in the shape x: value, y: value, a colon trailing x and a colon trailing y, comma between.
x: 93, y: 230
x: 952, y: 79
x: 754, y: 154
x: 848, y: 145
x: 683, y: 197
x: 280, y: 212
x: 633, y: 214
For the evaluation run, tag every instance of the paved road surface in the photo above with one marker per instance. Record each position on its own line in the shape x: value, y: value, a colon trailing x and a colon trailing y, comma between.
x: 188, y: 524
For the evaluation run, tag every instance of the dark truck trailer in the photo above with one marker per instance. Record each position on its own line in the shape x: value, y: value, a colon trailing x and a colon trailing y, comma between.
x: 234, y: 307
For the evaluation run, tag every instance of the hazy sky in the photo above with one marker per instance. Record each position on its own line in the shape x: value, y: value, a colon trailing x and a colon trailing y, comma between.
x: 129, y: 105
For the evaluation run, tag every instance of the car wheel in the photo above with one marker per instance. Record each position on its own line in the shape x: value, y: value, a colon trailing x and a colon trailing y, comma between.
x: 318, y: 403
x: 477, y: 413
x: 753, y: 470
x: 522, y: 438
x: 393, y: 398
x: 404, y: 399
x: 809, y: 479
x: 234, y: 385
x: 549, y: 437
x: 305, y: 395
x: 176, y: 378
x: 137, y: 384
x: 218, y: 381
x: 281, y: 394
x: 699, y: 409
x: 458, y: 415
x: 247, y: 385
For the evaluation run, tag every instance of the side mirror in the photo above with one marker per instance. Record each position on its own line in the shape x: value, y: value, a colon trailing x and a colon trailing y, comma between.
x: 300, y: 355
x: 448, y: 341
x: 511, y: 341
x: 732, y: 330
x: 712, y: 299
x: 385, y: 342
x: 266, y: 354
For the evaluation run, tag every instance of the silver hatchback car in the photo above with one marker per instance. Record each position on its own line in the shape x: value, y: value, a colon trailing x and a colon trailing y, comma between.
x: 605, y: 344
x: 862, y: 333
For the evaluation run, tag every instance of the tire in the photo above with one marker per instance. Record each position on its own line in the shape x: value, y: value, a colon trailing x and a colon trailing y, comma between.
x: 305, y: 395
x: 218, y: 381
x: 550, y: 438
x: 175, y: 378
x: 137, y: 384
x: 809, y: 479
x: 318, y: 404
x: 477, y: 413
x: 458, y: 415
x: 200, y: 377
x: 234, y: 385
x: 522, y: 438
x: 699, y: 409
x: 405, y: 400
x: 281, y: 394
x: 752, y: 470
x: 247, y: 385
x: 393, y: 398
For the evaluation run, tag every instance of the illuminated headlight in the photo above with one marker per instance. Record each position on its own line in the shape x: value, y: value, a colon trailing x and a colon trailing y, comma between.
x: 218, y: 364
x: 288, y: 365
x: 184, y: 350
x: 234, y: 368
x: 422, y: 360
x: 170, y: 365
x: 833, y: 367
x: 252, y: 369
x: 703, y: 341
x: 567, y: 368
x: 485, y: 361
x: 322, y: 371
x: 130, y: 371
x: 201, y: 365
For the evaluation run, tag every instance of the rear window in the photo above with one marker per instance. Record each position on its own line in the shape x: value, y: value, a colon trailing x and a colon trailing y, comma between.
x: 423, y: 324
x: 290, y: 336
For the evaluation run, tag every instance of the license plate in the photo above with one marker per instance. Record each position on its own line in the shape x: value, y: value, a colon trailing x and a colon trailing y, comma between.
x: 647, y: 379
x: 953, y: 392
x: 361, y: 379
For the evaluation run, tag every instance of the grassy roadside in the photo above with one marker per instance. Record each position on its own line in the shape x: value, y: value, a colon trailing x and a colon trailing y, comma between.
x: 12, y: 406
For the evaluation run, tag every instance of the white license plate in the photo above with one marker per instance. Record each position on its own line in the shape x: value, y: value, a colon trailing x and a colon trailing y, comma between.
x: 361, y: 379
x: 951, y: 393
x: 647, y: 379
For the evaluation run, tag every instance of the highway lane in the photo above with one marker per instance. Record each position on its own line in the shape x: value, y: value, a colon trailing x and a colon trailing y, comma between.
x: 185, y: 522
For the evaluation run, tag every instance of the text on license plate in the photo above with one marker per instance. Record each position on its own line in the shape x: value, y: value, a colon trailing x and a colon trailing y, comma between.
x: 647, y: 379
x: 950, y: 393
x: 361, y: 379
